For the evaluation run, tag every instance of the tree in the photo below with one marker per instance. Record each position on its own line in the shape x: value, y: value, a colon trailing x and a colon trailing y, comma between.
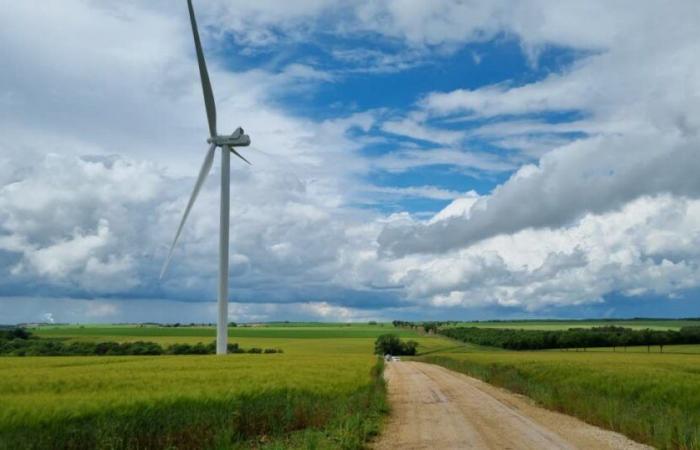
x: 662, y: 338
x: 409, y: 348
x: 430, y: 327
x: 625, y: 339
x: 387, y: 344
x: 647, y: 338
x: 15, y: 333
x: 390, y: 344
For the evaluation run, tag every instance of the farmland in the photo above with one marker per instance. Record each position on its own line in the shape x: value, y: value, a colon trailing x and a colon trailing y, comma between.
x: 322, y: 391
x: 197, y: 333
x: 651, y: 397
x: 636, y: 324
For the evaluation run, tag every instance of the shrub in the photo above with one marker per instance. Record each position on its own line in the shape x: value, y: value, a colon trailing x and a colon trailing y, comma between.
x: 13, y: 343
x: 392, y: 345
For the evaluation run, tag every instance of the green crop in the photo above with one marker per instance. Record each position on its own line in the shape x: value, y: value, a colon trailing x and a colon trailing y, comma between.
x: 324, y: 391
x: 182, y: 401
x: 650, y: 397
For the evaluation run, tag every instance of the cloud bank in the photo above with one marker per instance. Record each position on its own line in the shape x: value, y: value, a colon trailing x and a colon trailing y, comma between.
x: 595, y: 160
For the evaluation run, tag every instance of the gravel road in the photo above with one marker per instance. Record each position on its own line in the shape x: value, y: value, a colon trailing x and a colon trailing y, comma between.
x: 435, y: 408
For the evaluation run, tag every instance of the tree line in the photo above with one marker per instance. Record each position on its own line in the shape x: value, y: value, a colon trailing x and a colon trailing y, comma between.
x: 20, y: 342
x: 390, y: 344
x: 573, y: 338
x: 428, y: 327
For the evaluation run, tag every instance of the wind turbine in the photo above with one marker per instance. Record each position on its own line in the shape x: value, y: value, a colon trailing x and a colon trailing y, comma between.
x: 226, y: 143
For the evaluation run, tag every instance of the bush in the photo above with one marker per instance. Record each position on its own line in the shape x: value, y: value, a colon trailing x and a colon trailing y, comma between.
x: 15, y: 333
x: 391, y: 344
x: 20, y: 343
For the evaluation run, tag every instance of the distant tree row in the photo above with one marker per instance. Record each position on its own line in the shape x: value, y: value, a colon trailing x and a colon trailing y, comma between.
x: 191, y: 324
x: 390, y: 344
x: 428, y: 327
x: 608, y: 336
x: 20, y: 342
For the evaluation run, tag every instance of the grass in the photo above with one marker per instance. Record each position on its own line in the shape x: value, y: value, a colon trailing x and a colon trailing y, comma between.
x: 689, y: 349
x: 652, y: 398
x: 324, y: 391
x: 194, y: 401
x: 286, y: 332
x: 637, y: 324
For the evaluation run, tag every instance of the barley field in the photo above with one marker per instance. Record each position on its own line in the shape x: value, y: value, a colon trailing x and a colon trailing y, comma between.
x: 651, y: 397
x: 324, y: 391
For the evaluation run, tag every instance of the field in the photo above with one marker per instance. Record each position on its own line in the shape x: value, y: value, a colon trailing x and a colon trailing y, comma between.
x: 637, y: 324
x: 323, y: 391
x: 651, y: 397
x: 205, y: 334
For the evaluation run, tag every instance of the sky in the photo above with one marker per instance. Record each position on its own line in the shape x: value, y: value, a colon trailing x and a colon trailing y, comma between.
x: 410, y: 160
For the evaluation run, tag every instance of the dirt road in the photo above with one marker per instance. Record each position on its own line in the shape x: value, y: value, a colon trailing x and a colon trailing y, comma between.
x: 435, y: 408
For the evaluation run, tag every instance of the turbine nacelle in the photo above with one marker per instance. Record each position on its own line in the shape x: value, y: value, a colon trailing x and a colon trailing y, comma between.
x: 237, y: 139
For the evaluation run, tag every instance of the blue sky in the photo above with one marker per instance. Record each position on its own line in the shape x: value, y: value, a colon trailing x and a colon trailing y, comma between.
x: 448, y: 159
x: 352, y: 88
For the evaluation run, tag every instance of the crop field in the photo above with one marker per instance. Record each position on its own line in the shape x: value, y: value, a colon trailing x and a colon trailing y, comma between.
x: 651, y: 397
x: 692, y: 349
x: 305, y: 331
x: 323, y: 391
x: 639, y: 324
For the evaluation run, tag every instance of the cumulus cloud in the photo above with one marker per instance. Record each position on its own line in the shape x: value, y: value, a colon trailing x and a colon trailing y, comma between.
x: 102, y: 125
x: 645, y: 248
x: 87, y: 226
x: 633, y: 133
x: 595, y: 175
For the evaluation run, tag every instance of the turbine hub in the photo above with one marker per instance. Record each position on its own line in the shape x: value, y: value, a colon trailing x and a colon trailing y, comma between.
x: 237, y: 139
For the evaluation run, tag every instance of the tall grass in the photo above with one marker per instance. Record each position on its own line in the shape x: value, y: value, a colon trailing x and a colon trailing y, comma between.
x: 652, y: 398
x: 189, y: 402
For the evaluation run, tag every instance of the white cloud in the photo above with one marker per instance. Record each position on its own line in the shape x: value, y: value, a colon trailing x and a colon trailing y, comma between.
x: 415, y: 130
x: 430, y: 192
x: 635, y: 132
x: 403, y: 160
x: 602, y: 202
x: 649, y: 247
x: 594, y: 175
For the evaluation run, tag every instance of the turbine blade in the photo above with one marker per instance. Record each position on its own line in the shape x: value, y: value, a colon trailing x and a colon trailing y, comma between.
x: 203, y: 172
x: 239, y: 155
x: 252, y: 147
x: 204, y: 75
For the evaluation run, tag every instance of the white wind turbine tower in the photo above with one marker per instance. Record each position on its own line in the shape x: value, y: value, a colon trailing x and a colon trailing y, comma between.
x: 227, y: 144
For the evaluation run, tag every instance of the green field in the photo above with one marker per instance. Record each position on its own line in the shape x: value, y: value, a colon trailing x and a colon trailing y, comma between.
x: 305, y: 331
x: 322, y: 392
x: 319, y: 393
x: 651, y: 397
x: 689, y: 349
x: 640, y: 324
